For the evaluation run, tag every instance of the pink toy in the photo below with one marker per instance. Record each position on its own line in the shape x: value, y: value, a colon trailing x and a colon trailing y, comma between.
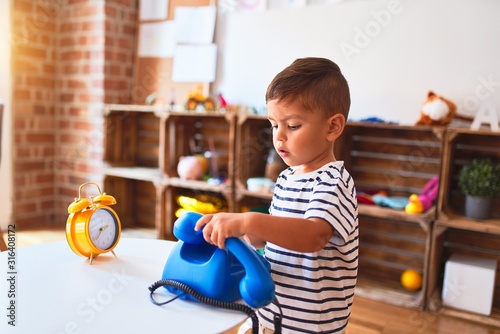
x: 423, y: 202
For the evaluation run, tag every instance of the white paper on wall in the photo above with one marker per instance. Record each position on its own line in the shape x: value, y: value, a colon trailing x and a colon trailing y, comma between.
x: 195, y: 25
x: 157, y: 39
x: 194, y: 63
x: 153, y: 10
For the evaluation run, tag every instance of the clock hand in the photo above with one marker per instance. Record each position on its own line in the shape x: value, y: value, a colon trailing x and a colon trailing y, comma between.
x: 100, y: 231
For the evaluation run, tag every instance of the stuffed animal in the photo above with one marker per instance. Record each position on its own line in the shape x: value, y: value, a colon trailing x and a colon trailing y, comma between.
x: 436, y: 110
x: 423, y: 202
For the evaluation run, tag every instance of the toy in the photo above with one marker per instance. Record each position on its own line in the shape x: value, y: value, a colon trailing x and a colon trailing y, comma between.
x: 192, y: 167
x: 436, y: 110
x: 393, y: 202
x: 423, y: 202
x: 411, y: 280
x: 196, y: 100
x: 366, y: 196
x: 201, y: 203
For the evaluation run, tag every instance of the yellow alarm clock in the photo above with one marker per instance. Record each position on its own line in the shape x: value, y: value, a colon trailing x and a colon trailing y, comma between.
x: 93, y: 228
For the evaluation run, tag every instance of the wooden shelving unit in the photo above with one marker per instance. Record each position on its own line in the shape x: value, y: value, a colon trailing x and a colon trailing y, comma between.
x: 143, y: 145
x: 399, y: 160
x: 455, y: 233
x: 253, y: 142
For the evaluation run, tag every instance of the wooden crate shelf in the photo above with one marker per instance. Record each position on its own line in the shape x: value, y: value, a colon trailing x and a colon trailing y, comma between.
x: 447, y: 241
x: 136, y: 201
x: 460, y: 147
x: 399, y: 160
x: 253, y: 143
x: 132, y: 137
x: 170, y: 205
x: 208, y: 132
x: 387, y: 247
x: 252, y: 202
x: 143, y: 145
x: 455, y: 233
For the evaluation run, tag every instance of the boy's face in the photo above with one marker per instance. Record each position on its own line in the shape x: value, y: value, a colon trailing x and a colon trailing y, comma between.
x: 302, y: 138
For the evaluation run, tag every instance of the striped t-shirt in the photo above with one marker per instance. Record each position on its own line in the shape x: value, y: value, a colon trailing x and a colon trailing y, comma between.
x: 315, y: 290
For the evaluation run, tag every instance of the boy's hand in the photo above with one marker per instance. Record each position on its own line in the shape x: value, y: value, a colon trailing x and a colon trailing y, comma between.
x: 219, y: 227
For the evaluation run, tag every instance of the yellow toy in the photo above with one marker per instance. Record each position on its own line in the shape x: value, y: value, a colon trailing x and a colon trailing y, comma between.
x: 203, y: 204
x: 423, y: 202
x: 196, y: 99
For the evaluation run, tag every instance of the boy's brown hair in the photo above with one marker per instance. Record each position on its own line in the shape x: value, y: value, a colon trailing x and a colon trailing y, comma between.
x: 317, y: 82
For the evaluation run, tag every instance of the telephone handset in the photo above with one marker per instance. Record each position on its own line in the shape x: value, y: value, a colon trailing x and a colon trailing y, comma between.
x: 227, y: 275
x: 199, y: 271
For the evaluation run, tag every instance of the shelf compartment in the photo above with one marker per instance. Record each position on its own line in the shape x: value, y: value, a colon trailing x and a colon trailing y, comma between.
x: 170, y: 204
x: 182, y: 130
x: 254, y: 140
x: 136, y: 173
x: 386, y: 248
x: 132, y: 137
x: 460, y: 147
x: 136, y: 201
x: 398, y: 159
x: 447, y: 241
x: 251, y: 201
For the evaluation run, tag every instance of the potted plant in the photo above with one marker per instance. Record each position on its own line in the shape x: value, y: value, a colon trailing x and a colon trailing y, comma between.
x: 480, y: 182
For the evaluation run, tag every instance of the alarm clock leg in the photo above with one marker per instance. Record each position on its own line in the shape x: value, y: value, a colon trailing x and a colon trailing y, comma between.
x: 91, y: 258
x: 113, y: 252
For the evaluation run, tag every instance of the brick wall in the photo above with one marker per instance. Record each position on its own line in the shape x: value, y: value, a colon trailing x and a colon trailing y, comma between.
x: 69, y: 57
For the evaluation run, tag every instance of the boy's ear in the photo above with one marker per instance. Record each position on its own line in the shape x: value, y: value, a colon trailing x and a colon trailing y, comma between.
x: 336, y: 126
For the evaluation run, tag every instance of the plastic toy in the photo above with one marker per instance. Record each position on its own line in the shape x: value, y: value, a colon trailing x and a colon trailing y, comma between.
x: 411, y: 280
x: 393, y: 202
x: 205, y: 206
x: 238, y: 272
x: 192, y: 167
x: 198, y: 271
x: 196, y: 100
x: 423, y: 202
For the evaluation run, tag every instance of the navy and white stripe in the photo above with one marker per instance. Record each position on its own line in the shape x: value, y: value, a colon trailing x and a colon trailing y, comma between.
x: 315, y: 290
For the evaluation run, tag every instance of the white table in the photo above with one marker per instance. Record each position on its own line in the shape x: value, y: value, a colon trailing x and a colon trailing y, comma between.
x: 59, y: 292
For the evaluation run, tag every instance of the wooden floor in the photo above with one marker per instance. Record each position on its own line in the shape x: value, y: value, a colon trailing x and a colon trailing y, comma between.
x: 368, y: 317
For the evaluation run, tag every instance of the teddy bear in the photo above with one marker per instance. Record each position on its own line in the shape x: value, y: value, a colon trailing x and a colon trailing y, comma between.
x: 437, y: 110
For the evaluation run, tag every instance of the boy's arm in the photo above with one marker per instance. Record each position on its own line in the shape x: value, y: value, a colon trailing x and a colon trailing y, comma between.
x: 301, y: 235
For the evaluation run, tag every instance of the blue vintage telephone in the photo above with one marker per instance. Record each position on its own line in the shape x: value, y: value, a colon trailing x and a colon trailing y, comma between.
x: 199, y: 271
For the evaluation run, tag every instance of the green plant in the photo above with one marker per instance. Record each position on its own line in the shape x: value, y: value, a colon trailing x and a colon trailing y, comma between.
x: 480, y: 178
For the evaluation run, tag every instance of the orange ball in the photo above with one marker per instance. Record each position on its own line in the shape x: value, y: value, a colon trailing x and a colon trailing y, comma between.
x: 411, y: 280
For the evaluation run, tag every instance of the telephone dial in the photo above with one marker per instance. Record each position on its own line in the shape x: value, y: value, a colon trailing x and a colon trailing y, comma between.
x: 198, y: 271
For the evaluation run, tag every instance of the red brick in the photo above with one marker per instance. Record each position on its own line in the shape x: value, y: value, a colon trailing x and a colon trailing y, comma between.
x: 68, y: 97
x: 87, y: 11
x: 21, y: 94
x: 73, y: 55
x: 75, y: 84
x: 38, y: 138
x: 28, y: 166
x: 22, y: 6
x: 35, y: 52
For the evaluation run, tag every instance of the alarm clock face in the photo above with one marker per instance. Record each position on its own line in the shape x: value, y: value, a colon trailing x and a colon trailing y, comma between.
x: 103, y: 229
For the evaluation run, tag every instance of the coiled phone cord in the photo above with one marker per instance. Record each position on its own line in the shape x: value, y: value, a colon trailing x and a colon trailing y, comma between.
x: 204, y: 299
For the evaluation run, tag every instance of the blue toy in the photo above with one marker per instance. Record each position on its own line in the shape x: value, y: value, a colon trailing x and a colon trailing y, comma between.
x: 225, y: 275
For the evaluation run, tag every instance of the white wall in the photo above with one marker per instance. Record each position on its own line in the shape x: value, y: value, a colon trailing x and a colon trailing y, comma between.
x: 391, y: 52
x: 5, y: 95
